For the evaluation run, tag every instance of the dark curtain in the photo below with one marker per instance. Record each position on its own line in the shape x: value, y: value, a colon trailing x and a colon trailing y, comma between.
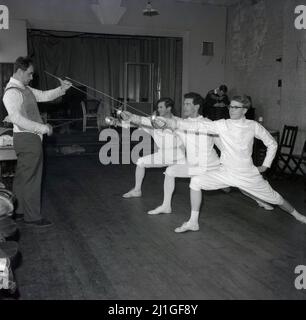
x: 99, y: 61
x: 6, y: 71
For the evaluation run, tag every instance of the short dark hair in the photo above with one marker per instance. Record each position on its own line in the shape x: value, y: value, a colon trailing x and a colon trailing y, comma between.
x: 244, y: 100
x: 223, y: 88
x: 22, y: 63
x: 169, y: 103
x: 196, y: 99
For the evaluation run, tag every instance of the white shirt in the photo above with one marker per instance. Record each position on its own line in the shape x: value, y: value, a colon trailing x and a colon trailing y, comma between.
x: 13, y: 100
x: 165, y: 139
x: 199, y: 147
x: 237, y: 138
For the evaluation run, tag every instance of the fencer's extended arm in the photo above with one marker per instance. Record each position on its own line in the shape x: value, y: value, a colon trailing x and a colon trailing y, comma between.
x: 141, y: 121
x: 117, y: 123
x: 129, y: 118
x: 264, y: 135
x: 48, y: 95
x: 201, y: 126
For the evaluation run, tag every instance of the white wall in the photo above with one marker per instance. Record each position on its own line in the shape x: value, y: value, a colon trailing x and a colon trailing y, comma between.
x: 13, y: 42
x: 194, y: 22
x: 254, y: 44
x: 293, y: 98
x: 258, y: 35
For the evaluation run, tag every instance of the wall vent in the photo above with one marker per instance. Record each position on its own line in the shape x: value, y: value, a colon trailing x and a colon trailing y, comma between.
x: 208, y: 49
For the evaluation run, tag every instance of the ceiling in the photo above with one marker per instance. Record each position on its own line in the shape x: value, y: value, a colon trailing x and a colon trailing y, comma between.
x: 213, y: 2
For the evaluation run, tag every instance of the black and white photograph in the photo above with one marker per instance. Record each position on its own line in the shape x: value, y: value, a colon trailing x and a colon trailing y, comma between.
x: 152, y: 152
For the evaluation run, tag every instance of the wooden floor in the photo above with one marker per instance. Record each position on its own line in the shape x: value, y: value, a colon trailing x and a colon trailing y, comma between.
x: 105, y: 247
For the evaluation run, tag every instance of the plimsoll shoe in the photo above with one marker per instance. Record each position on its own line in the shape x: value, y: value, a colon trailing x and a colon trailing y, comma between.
x: 187, y: 226
x: 42, y: 223
x: 160, y: 209
x: 132, y: 194
x: 264, y: 205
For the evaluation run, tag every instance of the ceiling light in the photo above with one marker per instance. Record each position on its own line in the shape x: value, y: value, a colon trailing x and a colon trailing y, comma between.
x: 149, y: 11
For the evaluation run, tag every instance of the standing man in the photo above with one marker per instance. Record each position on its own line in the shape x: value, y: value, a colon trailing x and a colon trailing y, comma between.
x: 20, y: 101
x: 216, y: 103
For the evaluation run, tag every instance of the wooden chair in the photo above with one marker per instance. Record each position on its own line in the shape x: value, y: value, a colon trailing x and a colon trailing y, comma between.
x: 90, y: 113
x: 299, y: 161
x: 285, y: 149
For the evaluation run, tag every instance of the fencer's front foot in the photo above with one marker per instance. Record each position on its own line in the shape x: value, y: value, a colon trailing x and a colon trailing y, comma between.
x: 159, y: 210
x: 187, y: 226
x: 132, y: 194
x: 264, y: 205
x: 298, y: 216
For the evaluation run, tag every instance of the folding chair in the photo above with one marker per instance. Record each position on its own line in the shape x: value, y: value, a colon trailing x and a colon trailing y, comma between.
x: 300, y: 160
x: 285, y: 149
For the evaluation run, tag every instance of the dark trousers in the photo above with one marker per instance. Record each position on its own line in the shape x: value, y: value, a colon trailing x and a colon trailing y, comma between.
x: 216, y: 113
x: 28, y: 176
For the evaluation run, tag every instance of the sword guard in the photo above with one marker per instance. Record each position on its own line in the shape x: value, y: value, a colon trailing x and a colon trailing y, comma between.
x: 157, y: 123
x: 111, y: 121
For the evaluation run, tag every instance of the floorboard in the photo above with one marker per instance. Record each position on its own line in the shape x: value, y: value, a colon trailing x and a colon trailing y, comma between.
x: 105, y: 247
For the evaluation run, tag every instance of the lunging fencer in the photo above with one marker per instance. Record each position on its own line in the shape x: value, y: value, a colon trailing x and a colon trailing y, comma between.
x: 200, y: 153
x: 237, y: 169
x: 170, y: 148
